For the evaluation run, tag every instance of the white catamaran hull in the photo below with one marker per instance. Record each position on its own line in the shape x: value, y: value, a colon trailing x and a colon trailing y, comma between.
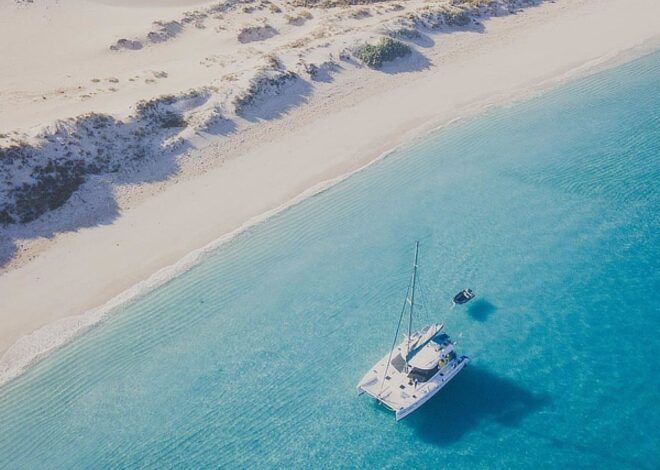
x: 402, y: 413
x: 396, y: 391
x: 410, y: 374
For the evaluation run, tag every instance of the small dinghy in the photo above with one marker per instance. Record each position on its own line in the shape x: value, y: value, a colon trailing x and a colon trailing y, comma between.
x: 463, y: 296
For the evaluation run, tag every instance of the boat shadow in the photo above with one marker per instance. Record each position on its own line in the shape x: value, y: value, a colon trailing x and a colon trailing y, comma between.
x: 481, y: 310
x: 475, y: 397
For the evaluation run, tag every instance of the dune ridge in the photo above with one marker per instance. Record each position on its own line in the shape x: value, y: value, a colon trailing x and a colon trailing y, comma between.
x: 42, y: 168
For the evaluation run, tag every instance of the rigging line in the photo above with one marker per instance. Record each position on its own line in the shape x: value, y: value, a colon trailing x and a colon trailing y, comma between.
x: 421, y: 303
x: 412, y: 301
x: 424, y: 298
x: 396, y: 335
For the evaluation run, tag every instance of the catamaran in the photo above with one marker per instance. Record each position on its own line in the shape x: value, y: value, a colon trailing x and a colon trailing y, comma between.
x: 416, y: 369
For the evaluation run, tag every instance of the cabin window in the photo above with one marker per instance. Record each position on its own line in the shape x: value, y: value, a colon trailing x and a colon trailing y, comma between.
x: 422, y: 375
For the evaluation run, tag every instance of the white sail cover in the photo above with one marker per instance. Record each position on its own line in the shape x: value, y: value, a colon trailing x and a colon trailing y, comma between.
x: 422, y: 340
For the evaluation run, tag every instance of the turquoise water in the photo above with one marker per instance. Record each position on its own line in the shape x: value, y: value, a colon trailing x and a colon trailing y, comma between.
x: 548, y: 209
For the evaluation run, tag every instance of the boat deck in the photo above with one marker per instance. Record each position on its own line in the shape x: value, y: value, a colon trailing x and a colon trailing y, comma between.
x: 398, y: 391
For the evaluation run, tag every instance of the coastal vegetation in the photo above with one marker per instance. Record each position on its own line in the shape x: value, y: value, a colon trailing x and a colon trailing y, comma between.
x: 54, y: 183
x: 474, y: 3
x: 298, y: 19
x: 256, y: 33
x: 41, y: 169
x: 405, y: 33
x: 268, y: 82
x: 334, y: 3
x: 385, y: 50
x: 40, y: 174
x: 160, y: 112
x: 440, y: 16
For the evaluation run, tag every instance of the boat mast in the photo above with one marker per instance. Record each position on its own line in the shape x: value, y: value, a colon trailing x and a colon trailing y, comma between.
x: 409, y: 299
x: 412, y: 300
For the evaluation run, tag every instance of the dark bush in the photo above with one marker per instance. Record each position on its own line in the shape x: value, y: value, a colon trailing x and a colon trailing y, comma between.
x: 387, y: 49
x: 405, y: 33
x: 333, y: 3
x: 263, y: 85
x: 170, y: 120
x: 55, y: 183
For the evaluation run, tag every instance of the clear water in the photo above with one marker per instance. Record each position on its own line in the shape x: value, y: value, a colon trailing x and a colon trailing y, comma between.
x: 548, y: 209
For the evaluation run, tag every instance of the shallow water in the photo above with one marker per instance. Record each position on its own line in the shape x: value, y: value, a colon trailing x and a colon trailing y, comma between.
x: 548, y: 209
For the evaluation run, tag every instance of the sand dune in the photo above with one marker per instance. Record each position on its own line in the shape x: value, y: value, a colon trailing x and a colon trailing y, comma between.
x: 134, y: 133
x: 75, y: 97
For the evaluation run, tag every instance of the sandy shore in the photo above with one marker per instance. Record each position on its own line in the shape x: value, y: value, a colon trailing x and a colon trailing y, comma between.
x: 67, y: 282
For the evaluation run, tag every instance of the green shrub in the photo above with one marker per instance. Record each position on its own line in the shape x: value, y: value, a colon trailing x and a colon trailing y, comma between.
x: 332, y: 3
x: 405, y: 33
x: 172, y: 120
x: 386, y: 50
x: 457, y: 17
x: 158, y: 111
x: 474, y: 3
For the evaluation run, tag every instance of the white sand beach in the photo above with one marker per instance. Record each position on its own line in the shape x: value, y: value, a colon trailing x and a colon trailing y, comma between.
x: 265, y: 103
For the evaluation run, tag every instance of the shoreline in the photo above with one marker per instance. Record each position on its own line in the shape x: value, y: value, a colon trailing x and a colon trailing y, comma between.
x: 43, y: 333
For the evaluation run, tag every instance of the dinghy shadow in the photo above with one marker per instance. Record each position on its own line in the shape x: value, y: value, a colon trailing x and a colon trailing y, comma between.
x: 481, y: 310
x: 474, y: 398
